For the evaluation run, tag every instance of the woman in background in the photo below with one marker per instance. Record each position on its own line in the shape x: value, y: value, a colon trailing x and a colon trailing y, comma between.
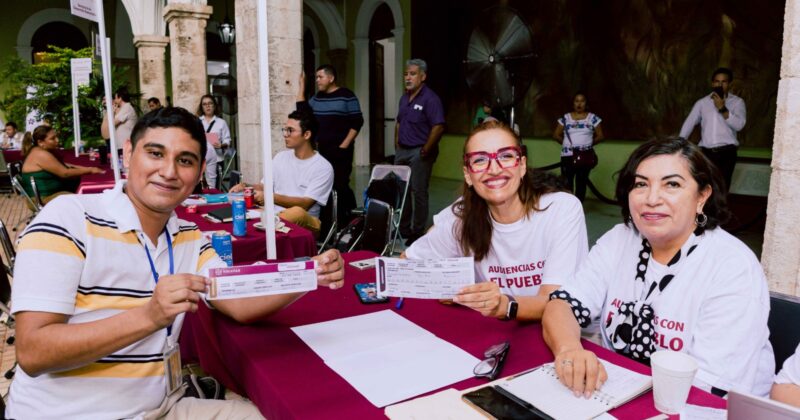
x: 45, y: 165
x: 218, y: 136
x: 577, y: 132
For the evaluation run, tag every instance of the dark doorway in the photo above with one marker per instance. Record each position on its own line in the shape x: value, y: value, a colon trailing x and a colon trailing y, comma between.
x: 379, y: 28
x: 215, y: 49
x: 309, y: 62
x: 59, y: 34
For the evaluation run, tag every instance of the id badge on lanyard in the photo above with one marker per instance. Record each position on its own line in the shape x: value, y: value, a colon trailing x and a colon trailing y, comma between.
x: 172, y: 354
x: 172, y: 368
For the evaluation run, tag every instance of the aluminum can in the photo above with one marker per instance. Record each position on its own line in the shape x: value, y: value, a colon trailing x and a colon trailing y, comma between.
x: 222, y: 243
x: 248, y: 197
x: 239, y: 212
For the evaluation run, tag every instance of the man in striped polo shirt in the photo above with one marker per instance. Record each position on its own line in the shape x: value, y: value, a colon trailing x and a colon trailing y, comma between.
x: 102, y: 282
x: 339, y: 115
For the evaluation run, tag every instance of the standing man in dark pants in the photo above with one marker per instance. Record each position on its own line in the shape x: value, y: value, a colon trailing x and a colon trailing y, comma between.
x: 420, y: 125
x: 339, y: 116
x: 721, y: 115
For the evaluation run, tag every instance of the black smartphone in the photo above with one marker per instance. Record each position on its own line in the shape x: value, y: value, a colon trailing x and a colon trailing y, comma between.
x: 368, y: 293
x: 719, y: 91
x: 500, y: 406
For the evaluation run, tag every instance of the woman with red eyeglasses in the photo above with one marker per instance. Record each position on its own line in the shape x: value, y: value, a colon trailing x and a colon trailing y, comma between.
x: 526, y: 234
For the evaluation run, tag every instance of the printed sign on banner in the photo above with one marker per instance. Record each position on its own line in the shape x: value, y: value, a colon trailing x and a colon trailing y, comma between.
x: 84, y: 9
x: 81, y: 70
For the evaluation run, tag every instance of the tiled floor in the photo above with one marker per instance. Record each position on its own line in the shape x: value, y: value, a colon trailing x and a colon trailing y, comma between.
x: 12, y: 212
x: 600, y: 218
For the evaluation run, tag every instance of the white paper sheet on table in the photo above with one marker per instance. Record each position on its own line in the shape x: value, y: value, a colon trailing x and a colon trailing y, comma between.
x: 386, y: 357
x: 697, y: 412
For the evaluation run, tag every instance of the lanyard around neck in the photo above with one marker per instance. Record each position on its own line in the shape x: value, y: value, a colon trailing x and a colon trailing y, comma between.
x: 171, y: 265
x: 171, y: 258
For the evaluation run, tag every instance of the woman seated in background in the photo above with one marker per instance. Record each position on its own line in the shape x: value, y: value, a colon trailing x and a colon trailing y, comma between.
x: 668, y: 277
x: 525, y: 233
x: 45, y: 165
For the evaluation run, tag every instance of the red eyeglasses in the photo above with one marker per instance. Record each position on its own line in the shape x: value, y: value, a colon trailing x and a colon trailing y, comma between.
x: 506, y: 158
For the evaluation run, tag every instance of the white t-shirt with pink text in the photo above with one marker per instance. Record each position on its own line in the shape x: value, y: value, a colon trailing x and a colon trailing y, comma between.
x: 546, y: 247
x: 714, y: 309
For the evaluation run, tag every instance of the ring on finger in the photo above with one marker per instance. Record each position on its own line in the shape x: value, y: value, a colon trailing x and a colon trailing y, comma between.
x: 566, y: 363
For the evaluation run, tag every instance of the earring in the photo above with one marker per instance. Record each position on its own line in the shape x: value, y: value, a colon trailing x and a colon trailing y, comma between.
x: 701, y: 219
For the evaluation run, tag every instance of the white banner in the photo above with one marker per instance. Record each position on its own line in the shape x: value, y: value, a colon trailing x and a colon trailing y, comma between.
x: 81, y: 70
x: 84, y: 8
x: 34, y: 117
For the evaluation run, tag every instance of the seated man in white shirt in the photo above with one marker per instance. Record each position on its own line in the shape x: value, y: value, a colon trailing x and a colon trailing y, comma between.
x: 11, y: 138
x: 302, y: 178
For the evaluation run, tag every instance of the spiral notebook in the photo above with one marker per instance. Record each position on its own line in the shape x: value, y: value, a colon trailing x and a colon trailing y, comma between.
x: 541, y: 389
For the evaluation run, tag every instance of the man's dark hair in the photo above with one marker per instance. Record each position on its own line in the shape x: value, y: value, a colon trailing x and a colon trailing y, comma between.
x: 328, y: 69
x: 154, y: 100
x: 12, y: 124
x: 123, y: 94
x: 307, y: 123
x: 723, y: 70
x: 171, y: 117
x: 703, y: 171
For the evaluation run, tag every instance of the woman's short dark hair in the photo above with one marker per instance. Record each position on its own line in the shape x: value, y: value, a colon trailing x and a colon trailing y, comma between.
x: 169, y: 117
x: 703, y: 171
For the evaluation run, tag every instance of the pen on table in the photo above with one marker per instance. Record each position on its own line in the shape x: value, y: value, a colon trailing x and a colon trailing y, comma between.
x: 399, y: 304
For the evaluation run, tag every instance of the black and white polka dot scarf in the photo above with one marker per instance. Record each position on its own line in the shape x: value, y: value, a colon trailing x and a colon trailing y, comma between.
x: 632, y: 329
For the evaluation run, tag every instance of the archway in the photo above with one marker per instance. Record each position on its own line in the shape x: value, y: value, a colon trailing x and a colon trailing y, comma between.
x: 381, y: 86
x: 361, y: 45
x: 59, y: 34
x: 40, y: 18
x: 310, y: 55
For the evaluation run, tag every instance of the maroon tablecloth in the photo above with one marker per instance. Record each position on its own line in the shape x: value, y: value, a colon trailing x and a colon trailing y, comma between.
x: 248, y: 249
x: 13, y: 155
x: 287, y: 380
x: 96, y: 183
x: 90, y: 183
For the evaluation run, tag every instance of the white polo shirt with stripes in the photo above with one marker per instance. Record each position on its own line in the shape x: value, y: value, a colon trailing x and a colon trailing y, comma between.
x: 83, y: 256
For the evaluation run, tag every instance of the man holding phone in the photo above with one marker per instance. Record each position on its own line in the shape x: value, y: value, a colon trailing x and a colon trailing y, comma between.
x: 721, y: 116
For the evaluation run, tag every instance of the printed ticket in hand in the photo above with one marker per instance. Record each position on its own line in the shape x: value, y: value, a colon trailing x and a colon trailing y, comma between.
x: 425, y: 279
x: 262, y: 280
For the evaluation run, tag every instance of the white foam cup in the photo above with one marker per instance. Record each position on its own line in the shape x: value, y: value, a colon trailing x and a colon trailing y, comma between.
x: 673, y: 373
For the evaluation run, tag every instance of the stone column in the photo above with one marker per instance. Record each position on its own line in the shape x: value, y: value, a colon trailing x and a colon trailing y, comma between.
x: 187, y: 37
x: 152, y: 67
x: 781, y: 253
x: 285, y: 22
